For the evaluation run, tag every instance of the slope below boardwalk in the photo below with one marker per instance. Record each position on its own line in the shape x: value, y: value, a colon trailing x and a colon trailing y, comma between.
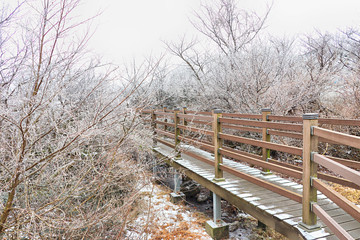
x: 275, y: 210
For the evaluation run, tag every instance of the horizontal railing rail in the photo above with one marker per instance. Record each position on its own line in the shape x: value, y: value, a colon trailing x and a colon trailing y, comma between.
x: 165, y: 123
x: 331, y: 223
x: 282, y: 126
x: 341, y: 138
x: 260, y: 143
x: 338, y: 168
x: 197, y: 130
x: 241, y: 115
x: 337, y: 198
x: 195, y: 117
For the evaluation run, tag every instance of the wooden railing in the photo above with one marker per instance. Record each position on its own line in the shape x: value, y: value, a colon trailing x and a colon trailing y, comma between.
x: 337, y: 168
x: 212, y: 131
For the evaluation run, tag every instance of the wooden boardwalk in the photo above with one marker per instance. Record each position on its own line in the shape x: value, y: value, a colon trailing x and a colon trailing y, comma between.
x: 276, y: 211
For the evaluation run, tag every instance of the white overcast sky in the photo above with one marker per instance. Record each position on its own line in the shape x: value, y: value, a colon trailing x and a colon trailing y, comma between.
x: 135, y: 28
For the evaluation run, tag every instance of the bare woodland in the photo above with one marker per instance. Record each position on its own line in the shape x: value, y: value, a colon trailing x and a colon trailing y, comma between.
x: 72, y: 155
x: 238, y: 68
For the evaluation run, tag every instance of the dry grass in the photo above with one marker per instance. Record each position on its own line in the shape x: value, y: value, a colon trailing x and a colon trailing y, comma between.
x: 351, y: 194
x: 178, y: 231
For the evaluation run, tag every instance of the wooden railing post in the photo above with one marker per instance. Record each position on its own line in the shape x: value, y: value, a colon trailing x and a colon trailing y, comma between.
x: 165, y: 120
x: 216, y: 125
x: 265, y: 137
x: 184, y: 112
x: 153, y: 127
x: 177, y: 133
x: 310, y: 145
x: 212, y: 112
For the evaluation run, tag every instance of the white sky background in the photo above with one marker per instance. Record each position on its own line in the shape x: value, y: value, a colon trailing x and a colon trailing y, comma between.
x: 134, y: 28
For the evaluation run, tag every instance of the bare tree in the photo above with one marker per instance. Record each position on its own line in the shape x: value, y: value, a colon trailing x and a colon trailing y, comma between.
x: 228, y: 26
x: 66, y: 132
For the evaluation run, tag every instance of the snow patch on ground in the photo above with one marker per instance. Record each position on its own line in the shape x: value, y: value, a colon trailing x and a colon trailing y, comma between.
x: 161, y: 219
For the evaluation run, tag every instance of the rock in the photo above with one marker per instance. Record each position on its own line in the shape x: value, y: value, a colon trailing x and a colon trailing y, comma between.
x: 233, y: 226
x: 190, y: 188
x: 202, y: 197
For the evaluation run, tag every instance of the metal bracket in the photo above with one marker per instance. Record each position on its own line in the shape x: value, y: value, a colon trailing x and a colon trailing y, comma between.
x: 218, y: 120
x: 218, y: 179
x: 311, y: 181
x: 312, y: 155
x: 311, y: 206
x: 267, y: 117
x: 267, y: 131
x: 312, y: 130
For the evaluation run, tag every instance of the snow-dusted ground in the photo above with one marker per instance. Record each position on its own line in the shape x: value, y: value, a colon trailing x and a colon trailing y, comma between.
x: 159, y: 219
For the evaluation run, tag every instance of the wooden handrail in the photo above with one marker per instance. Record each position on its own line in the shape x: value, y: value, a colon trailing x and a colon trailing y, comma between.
x: 166, y: 143
x: 146, y: 111
x: 342, y: 122
x: 241, y: 128
x: 162, y: 132
x: 341, y: 138
x: 195, y: 143
x: 198, y: 112
x: 165, y: 123
x: 285, y: 134
x: 168, y: 114
x: 337, y: 198
x: 323, y: 176
x: 338, y: 168
x: 346, y: 162
x: 259, y: 143
x: 285, y: 118
x: 330, y: 121
x: 288, y: 171
x: 330, y: 222
x: 198, y: 157
x: 282, y: 126
x: 272, y: 187
x: 195, y: 117
x: 198, y: 130
x: 200, y: 122
x: 241, y: 115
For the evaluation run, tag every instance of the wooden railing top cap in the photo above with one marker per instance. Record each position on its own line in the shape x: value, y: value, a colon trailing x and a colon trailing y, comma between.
x: 266, y: 110
x: 176, y: 109
x: 310, y: 116
x: 217, y: 111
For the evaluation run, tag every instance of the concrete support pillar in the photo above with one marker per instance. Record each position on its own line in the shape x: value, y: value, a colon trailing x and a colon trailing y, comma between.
x: 176, y: 182
x: 177, y: 196
x: 217, y: 229
x: 217, y: 208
